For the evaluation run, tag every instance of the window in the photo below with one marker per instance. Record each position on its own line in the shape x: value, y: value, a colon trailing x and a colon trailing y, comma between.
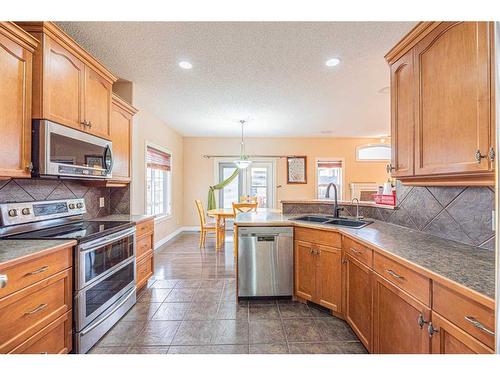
x: 158, y: 181
x: 378, y: 152
x: 329, y: 171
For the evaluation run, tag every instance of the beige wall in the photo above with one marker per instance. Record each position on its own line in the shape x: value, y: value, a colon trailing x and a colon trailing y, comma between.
x: 148, y: 127
x: 199, y: 172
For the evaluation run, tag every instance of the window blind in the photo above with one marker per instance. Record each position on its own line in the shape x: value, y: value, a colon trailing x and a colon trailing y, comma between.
x: 158, y: 159
x: 329, y: 164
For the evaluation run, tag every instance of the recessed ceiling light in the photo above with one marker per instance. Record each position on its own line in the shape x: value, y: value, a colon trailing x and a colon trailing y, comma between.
x: 332, y: 62
x: 185, y: 65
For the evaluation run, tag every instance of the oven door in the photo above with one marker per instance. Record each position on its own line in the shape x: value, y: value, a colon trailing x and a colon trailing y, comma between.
x: 103, y: 294
x: 100, y: 257
x: 62, y: 151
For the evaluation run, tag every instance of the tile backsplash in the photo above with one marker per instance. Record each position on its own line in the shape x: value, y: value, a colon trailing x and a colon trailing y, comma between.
x: 461, y: 214
x: 116, y: 200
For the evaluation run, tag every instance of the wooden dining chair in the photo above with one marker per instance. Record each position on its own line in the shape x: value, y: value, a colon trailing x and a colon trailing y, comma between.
x: 205, y: 226
x: 244, y: 207
x: 248, y: 199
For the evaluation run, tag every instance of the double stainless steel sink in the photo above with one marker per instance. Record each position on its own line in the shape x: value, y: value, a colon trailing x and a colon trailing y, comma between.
x: 330, y: 220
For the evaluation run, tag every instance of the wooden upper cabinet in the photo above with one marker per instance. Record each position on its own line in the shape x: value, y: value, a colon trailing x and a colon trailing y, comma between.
x: 63, y: 84
x: 396, y: 328
x: 449, y: 339
x: 442, y: 102
x: 121, y: 136
x: 70, y: 87
x: 453, y: 99
x: 402, y: 116
x: 16, y: 56
x: 97, y: 103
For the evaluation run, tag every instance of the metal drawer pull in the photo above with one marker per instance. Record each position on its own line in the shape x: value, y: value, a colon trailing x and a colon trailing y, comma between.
x: 3, y: 281
x: 356, y: 251
x: 43, y: 306
x: 394, y: 274
x: 476, y: 323
x: 40, y: 270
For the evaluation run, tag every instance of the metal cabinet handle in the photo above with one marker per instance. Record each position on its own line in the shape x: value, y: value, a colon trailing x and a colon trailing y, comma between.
x: 356, y: 251
x: 421, y: 321
x: 89, y: 124
x: 491, y: 154
x: 476, y: 323
x: 41, y: 307
x: 3, y: 281
x: 40, y: 270
x: 390, y: 168
x: 478, y: 156
x: 431, y: 330
x: 394, y: 274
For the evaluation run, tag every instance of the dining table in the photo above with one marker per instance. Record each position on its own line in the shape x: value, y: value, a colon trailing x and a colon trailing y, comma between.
x: 221, y: 215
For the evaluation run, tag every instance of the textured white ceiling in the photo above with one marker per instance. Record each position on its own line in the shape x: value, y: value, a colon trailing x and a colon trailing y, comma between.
x: 272, y: 74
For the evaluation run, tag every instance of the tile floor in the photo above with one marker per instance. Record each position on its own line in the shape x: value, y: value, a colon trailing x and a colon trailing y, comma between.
x: 189, y: 306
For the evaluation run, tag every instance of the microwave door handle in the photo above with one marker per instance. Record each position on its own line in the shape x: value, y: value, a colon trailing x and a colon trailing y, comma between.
x: 110, y: 153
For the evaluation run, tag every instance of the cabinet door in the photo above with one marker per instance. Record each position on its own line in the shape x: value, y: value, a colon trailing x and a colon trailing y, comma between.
x: 358, y: 307
x: 97, y: 103
x: 402, y: 115
x: 62, y: 86
x: 328, y: 277
x: 452, y: 64
x: 15, y: 108
x: 120, y: 132
x: 396, y: 328
x: 305, y: 270
x: 449, y: 339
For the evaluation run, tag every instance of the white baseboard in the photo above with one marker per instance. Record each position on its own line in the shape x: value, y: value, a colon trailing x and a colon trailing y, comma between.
x: 175, y: 233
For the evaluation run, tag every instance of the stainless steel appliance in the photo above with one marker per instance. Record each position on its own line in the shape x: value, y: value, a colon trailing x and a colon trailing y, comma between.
x: 104, y: 260
x: 61, y: 151
x: 265, y: 261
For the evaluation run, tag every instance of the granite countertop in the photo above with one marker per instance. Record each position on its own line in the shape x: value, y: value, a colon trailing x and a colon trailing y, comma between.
x: 17, y: 249
x: 331, y: 201
x: 466, y: 265
x: 124, y: 217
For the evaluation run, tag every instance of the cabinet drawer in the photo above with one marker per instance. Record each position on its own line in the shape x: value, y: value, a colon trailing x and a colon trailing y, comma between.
x: 144, y: 269
x: 144, y: 244
x: 322, y: 237
x: 471, y: 316
x: 358, y: 251
x: 24, y: 313
x: 34, y: 270
x: 408, y: 280
x: 144, y: 228
x: 53, y: 339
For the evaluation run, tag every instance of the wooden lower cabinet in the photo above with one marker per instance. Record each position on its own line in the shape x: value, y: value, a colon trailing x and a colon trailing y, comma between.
x: 396, y: 328
x: 447, y: 338
x: 358, y: 299
x: 318, y: 274
x: 144, y: 252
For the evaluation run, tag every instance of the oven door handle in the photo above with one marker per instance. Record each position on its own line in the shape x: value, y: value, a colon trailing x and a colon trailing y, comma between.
x: 90, y: 328
x: 89, y: 246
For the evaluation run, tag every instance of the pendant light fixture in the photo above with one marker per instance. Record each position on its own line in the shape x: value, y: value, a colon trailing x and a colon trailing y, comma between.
x: 243, y: 161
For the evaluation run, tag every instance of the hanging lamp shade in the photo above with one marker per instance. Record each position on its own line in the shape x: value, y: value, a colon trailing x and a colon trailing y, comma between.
x: 243, y: 161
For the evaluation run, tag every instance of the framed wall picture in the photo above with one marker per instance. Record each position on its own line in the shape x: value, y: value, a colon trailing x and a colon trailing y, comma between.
x: 296, y: 169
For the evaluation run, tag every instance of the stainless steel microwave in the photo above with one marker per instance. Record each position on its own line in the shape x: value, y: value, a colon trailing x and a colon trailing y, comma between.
x: 65, y: 152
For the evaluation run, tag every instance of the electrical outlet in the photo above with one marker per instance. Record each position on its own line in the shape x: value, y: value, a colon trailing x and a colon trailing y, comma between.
x: 101, y: 202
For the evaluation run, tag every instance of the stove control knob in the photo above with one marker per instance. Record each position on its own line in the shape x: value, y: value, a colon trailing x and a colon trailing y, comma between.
x: 79, y: 205
x: 12, y: 212
x: 71, y: 206
x: 26, y: 211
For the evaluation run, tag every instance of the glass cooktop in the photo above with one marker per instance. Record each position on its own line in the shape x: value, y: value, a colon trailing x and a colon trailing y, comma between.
x: 80, y: 231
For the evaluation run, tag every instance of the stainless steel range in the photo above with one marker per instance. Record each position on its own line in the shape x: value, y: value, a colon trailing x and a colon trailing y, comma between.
x: 104, y: 260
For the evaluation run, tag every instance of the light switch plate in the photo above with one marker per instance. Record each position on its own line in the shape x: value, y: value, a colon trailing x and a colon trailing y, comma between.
x: 101, y: 202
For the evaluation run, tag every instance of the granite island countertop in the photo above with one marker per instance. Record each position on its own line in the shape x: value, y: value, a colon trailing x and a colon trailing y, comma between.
x: 469, y: 266
x: 16, y: 250
x: 124, y: 217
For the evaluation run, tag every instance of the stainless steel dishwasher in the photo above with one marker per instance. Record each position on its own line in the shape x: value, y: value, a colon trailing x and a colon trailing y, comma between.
x: 265, y: 261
